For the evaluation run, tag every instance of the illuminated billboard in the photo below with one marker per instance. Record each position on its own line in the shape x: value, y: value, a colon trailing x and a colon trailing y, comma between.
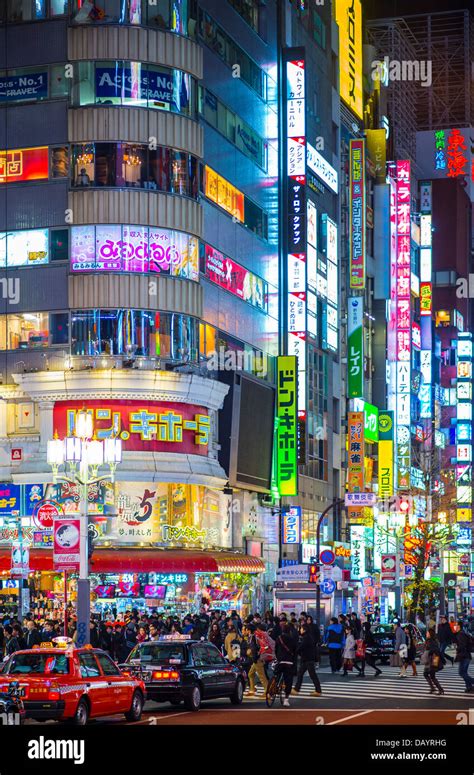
x: 22, y: 164
x: 349, y: 20
x: 287, y: 429
x: 357, y: 221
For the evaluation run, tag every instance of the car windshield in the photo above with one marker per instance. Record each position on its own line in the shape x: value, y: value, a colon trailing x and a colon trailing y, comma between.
x: 39, y: 664
x: 159, y: 653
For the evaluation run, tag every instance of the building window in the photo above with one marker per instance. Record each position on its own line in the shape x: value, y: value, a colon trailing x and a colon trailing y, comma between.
x: 232, y: 127
x: 249, y: 10
x: 127, y: 165
x: 133, y: 84
x: 319, y: 30
x: 177, y: 16
x: 133, y: 333
x: 24, y: 332
x: 226, y: 49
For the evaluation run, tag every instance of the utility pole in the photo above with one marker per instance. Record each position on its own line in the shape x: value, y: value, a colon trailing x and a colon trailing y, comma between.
x: 337, y: 502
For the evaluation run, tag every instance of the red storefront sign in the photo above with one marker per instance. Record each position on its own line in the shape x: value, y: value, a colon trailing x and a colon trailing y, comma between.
x: 24, y: 164
x: 67, y: 536
x: 146, y: 426
x: 45, y: 514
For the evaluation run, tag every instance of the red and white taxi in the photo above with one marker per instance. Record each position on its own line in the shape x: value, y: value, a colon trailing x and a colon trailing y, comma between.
x: 72, y: 684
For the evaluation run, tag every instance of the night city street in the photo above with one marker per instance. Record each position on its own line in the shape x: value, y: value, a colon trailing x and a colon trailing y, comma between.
x: 236, y: 384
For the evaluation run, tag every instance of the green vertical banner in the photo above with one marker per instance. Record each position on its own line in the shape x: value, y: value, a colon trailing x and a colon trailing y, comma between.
x: 355, y: 347
x: 287, y: 431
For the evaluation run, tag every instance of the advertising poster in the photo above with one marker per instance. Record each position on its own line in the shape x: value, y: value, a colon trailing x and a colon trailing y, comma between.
x: 357, y: 215
x: 66, y: 546
x: 233, y: 277
x: 355, y: 356
x: 33, y: 86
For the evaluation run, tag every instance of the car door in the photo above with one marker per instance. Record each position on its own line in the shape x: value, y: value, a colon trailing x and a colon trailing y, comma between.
x: 205, y: 671
x: 223, y: 672
x: 95, y: 684
x: 119, y: 688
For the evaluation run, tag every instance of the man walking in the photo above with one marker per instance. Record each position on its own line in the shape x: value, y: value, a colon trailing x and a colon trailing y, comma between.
x: 463, y: 655
x: 446, y: 637
x: 335, y: 643
x: 257, y: 666
x: 306, y: 650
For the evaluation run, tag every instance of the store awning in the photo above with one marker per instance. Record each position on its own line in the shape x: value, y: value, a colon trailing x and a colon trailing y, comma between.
x: 151, y: 560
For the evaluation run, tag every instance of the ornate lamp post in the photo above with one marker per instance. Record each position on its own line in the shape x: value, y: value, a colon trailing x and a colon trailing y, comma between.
x: 82, y: 456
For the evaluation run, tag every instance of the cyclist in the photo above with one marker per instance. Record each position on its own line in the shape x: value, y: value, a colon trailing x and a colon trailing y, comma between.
x: 285, y: 653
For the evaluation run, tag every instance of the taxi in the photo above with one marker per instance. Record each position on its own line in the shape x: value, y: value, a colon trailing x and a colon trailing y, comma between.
x: 178, y: 669
x: 61, y: 682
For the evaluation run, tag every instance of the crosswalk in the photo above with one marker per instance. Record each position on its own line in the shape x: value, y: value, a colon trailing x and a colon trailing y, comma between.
x: 386, y: 686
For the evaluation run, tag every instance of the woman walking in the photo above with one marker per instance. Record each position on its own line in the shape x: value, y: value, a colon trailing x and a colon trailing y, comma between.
x: 411, y: 654
x: 349, y: 651
x: 432, y: 661
x: 364, y: 655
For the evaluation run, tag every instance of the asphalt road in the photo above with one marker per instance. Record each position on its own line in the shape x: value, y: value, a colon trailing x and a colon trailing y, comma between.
x: 351, y: 700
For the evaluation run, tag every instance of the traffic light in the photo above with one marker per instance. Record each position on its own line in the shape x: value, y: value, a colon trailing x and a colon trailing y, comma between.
x: 313, y: 573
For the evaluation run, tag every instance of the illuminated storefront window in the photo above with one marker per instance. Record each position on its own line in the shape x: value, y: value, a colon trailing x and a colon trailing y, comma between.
x: 134, y: 333
x: 128, y: 165
x: 33, y: 330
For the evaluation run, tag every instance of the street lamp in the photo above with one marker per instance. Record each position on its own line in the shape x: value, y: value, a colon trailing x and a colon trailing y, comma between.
x: 82, y: 455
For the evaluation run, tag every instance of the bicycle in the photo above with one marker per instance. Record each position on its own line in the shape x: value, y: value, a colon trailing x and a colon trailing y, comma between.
x: 276, y: 686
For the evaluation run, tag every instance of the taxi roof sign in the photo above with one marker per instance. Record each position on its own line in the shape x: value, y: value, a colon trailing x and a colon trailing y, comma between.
x: 175, y: 636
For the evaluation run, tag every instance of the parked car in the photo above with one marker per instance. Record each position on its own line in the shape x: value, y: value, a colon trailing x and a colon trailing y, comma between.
x: 178, y: 669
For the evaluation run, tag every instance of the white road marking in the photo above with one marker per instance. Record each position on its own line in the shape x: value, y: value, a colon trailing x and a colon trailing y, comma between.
x: 347, y: 718
x: 153, y: 719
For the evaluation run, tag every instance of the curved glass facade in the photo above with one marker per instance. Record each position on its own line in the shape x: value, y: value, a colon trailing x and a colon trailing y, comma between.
x: 133, y: 84
x: 135, y: 165
x: 135, y: 332
x: 177, y: 16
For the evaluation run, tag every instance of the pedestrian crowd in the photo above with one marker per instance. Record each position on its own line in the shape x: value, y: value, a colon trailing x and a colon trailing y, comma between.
x: 286, y: 646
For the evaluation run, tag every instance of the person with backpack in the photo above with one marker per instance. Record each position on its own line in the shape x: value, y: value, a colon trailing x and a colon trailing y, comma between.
x: 257, y: 666
x: 335, y: 642
x: 364, y: 646
x: 306, y: 650
x: 266, y: 645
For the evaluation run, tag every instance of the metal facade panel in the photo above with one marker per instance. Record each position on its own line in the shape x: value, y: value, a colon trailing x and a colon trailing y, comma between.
x: 25, y: 126
x: 28, y: 206
x: 40, y: 289
x: 30, y: 44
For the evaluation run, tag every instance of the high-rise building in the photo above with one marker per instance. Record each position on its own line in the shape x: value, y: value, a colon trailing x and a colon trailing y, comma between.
x: 140, y: 282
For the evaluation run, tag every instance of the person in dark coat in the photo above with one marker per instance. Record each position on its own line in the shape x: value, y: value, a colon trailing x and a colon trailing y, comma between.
x: 463, y: 654
x: 94, y: 635
x: 356, y: 625
x: 285, y: 652
x: 445, y: 637
x: 432, y: 660
x: 368, y: 645
x: 32, y: 637
x: 306, y: 650
x: 215, y: 635
x: 11, y: 643
x: 119, y: 646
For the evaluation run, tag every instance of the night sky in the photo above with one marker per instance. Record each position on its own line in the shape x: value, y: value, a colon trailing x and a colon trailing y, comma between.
x: 374, y: 9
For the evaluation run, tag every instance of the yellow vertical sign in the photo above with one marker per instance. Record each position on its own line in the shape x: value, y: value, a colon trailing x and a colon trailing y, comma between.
x: 385, y: 477
x: 349, y: 19
x: 287, y: 431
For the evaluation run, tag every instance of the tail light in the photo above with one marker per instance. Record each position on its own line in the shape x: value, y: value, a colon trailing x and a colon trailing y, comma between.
x: 54, y: 694
x: 165, y: 675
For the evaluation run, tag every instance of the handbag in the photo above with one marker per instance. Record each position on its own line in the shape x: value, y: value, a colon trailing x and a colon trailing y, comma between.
x: 361, y: 649
x: 436, y: 662
x: 395, y: 660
